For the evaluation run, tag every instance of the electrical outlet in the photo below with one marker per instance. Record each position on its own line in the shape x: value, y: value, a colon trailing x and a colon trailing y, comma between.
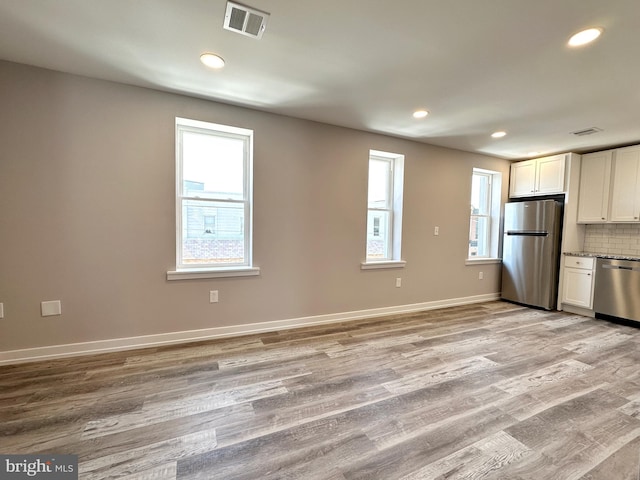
x: 481, y: 276
x: 213, y: 296
x: 436, y: 231
x: 398, y: 282
x: 53, y: 307
x: 1, y: 310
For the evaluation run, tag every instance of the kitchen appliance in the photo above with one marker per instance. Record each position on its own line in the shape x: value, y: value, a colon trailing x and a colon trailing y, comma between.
x: 617, y: 290
x: 531, y: 253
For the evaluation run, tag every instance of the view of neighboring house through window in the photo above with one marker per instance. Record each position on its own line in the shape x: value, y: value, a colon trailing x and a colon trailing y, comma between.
x: 384, y: 217
x: 210, y: 224
x: 485, y: 213
x: 213, y: 195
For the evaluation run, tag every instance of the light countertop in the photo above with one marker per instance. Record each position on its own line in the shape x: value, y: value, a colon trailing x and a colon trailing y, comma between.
x: 602, y: 255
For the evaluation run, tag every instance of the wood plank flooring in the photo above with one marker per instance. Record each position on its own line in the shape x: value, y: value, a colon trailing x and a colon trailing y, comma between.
x: 486, y: 391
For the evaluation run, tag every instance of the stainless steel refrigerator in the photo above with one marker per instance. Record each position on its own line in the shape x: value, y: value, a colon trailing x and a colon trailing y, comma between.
x: 530, y: 253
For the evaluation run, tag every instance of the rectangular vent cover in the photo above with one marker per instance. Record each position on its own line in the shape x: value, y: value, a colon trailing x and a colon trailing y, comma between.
x: 245, y: 20
x: 586, y: 131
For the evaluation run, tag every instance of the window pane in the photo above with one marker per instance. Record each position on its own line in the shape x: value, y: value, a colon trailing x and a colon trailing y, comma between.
x: 484, y: 213
x: 480, y: 194
x: 213, y: 166
x: 379, y: 182
x: 378, y: 235
x: 212, y: 232
x: 479, y: 237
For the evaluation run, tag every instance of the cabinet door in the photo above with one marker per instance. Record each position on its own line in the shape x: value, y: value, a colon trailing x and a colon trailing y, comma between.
x: 595, y: 179
x: 625, y: 193
x: 523, y: 179
x: 550, y: 175
x: 578, y: 287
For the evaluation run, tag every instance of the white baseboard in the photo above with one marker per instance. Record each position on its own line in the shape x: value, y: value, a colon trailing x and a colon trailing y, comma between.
x: 117, y: 344
x: 578, y: 310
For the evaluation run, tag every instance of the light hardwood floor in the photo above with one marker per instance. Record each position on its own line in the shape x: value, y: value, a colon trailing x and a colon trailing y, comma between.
x: 487, y: 391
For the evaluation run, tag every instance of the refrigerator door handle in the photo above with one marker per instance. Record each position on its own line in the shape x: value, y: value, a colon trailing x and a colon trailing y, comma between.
x: 527, y: 234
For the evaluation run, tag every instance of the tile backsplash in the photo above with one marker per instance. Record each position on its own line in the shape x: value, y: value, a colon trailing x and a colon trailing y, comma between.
x: 616, y: 239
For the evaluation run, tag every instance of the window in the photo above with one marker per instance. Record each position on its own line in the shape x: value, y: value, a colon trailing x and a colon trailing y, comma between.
x: 213, y: 197
x: 384, y: 216
x: 484, y: 214
x: 379, y: 236
x: 210, y: 224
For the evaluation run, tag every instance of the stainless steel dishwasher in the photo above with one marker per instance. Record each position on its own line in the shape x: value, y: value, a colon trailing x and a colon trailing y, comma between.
x: 617, y: 289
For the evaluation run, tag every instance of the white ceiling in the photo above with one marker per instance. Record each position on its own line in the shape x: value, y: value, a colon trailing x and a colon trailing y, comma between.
x: 477, y: 65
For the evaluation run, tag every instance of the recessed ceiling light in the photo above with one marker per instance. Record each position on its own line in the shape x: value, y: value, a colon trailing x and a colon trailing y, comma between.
x: 420, y: 114
x: 212, y: 60
x: 498, y: 134
x: 585, y: 36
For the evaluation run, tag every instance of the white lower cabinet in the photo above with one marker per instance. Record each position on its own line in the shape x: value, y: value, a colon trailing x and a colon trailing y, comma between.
x: 578, y: 281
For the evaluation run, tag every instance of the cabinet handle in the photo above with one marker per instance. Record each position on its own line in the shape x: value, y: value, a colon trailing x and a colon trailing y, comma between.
x: 588, y: 274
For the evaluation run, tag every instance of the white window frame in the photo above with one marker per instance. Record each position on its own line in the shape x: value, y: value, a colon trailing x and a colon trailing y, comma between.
x: 204, y: 270
x: 493, y: 217
x: 393, y: 257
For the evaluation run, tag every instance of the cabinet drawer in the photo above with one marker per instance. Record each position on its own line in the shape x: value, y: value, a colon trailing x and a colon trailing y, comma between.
x: 579, y: 262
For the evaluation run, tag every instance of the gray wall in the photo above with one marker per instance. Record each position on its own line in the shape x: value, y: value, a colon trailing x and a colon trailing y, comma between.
x: 87, y: 216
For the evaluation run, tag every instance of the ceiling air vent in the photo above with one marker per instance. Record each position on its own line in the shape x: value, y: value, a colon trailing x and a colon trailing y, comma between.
x: 586, y: 131
x: 245, y: 20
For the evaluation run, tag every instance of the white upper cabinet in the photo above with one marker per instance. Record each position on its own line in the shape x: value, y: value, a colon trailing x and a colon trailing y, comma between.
x: 625, y: 188
x: 541, y: 176
x: 595, y: 179
x: 550, y: 175
x: 523, y: 179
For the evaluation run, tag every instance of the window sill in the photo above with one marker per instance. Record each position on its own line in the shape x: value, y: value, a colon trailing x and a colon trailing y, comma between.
x: 196, y: 273
x: 385, y: 264
x: 482, y: 261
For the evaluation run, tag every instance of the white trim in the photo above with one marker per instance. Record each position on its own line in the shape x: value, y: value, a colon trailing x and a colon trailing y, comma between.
x: 585, y: 312
x: 218, y: 273
x: 495, y: 207
x: 394, y: 204
x: 383, y: 264
x: 215, y: 130
x: 385, y: 155
x: 188, y: 122
x: 118, y: 344
x: 482, y: 261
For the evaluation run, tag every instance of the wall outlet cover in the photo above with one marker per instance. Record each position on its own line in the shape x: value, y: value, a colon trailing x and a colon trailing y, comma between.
x: 53, y: 307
